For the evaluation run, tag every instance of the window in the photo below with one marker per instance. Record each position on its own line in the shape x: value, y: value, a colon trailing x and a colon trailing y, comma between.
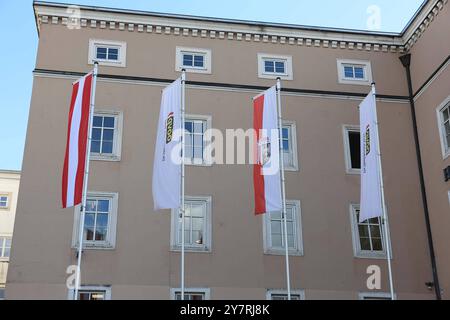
x: 274, y: 66
x: 274, y: 242
x: 190, y: 294
x: 193, y: 60
x: 107, y: 53
x: 106, y: 142
x: 197, y: 230
x: 377, y: 296
x: 352, y: 144
x: 289, y: 141
x: 354, y: 72
x: 100, y: 221
x: 444, y: 126
x: 197, y: 139
x: 5, y: 247
x: 368, y: 238
x: 283, y: 295
x: 92, y: 293
x: 4, y: 201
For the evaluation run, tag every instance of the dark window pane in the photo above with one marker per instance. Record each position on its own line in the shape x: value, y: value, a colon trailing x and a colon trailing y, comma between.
x: 269, y: 66
x: 286, y: 145
x: 355, y: 149
x: 96, y: 134
x: 100, y: 234
x: 188, y: 126
x: 365, y: 244
x: 377, y: 244
x: 348, y: 72
x: 359, y: 73
x: 103, y: 206
x: 107, y: 147
x: 101, y: 53
x: 198, y: 61
x: 108, y: 122
x: 113, y: 54
x: 187, y: 60
x: 279, y: 67
x: 363, y: 231
x: 95, y: 146
x: 98, y: 121
x: 108, y: 135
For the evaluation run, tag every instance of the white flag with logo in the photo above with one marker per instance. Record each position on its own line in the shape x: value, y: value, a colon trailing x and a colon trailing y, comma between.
x: 371, y: 200
x: 167, y: 163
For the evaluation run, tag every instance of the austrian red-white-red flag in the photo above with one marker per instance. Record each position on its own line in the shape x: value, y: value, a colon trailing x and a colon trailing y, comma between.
x: 77, y: 138
x: 266, y: 171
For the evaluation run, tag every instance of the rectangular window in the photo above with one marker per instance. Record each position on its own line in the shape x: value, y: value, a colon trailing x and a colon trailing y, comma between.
x: 354, y: 72
x: 100, y: 221
x: 352, y: 143
x: 193, y: 60
x: 92, y: 293
x: 107, y: 53
x: 106, y: 136
x: 444, y: 125
x: 272, y: 66
x: 4, y: 201
x: 5, y: 247
x: 196, y: 139
x: 190, y: 294
x: 197, y: 229
x: 368, y: 238
x: 274, y: 242
x: 289, y: 143
x: 282, y: 295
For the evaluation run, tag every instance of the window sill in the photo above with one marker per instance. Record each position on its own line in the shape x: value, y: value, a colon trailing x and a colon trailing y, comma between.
x: 204, y: 164
x: 96, y: 247
x: 291, y: 169
x: 194, y: 70
x: 96, y: 157
x: 372, y: 256
x: 276, y: 76
x: 355, y: 82
x: 271, y: 252
x: 4, y: 260
x: 354, y: 172
x: 109, y: 64
x: 177, y: 249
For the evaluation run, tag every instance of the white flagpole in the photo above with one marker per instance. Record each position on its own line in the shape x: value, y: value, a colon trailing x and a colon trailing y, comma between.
x: 86, y: 179
x: 385, y: 216
x: 283, y: 186
x: 183, y: 164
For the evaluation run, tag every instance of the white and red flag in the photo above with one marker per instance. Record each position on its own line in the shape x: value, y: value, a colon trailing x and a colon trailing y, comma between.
x: 266, y: 172
x: 77, y: 141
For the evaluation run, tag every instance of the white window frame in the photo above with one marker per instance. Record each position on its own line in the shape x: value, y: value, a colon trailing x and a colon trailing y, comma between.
x: 206, y: 247
x: 92, y: 56
x: 288, y: 75
x: 367, y: 65
x: 383, y: 295
x: 110, y: 243
x: 205, y: 291
x: 271, y: 292
x: 268, y: 249
x: 8, y: 200
x: 106, y: 289
x: 442, y: 135
x: 116, y: 156
x: 5, y: 236
x: 348, y: 158
x: 207, y: 69
x: 358, y: 252
x: 207, y: 139
x: 293, y: 128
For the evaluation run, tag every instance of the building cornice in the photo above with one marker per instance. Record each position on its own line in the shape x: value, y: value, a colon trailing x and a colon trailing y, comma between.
x: 237, y: 30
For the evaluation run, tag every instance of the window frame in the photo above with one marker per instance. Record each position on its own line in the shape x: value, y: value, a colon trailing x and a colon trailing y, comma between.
x: 441, y: 127
x: 205, y: 291
x: 110, y: 242
x: 367, y: 66
x: 262, y: 57
x: 347, y: 150
x: 268, y: 249
x: 358, y: 252
x: 206, y: 247
x: 116, y: 155
x: 8, y: 196
x: 3, y: 247
x: 271, y: 292
x: 207, y: 53
x: 106, y: 289
x: 207, y: 139
x: 122, y: 54
x: 293, y: 128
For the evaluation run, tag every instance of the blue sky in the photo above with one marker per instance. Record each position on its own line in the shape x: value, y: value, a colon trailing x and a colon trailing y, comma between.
x: 18, y: 31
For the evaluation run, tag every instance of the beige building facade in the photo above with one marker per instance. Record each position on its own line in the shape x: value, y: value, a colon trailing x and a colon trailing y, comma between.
x: 9, y: 191
x: 132, y: 252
